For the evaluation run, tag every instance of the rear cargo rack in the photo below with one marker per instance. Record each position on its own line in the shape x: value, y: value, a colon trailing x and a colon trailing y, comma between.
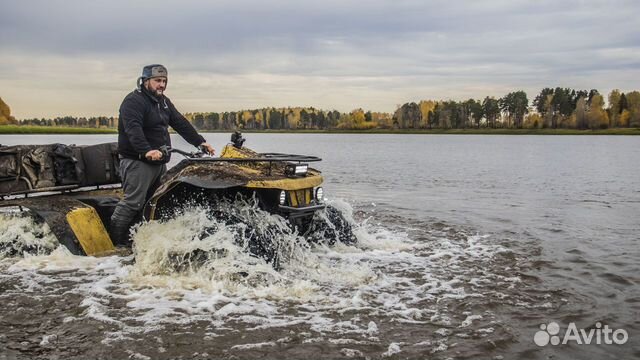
x: 55, y: 190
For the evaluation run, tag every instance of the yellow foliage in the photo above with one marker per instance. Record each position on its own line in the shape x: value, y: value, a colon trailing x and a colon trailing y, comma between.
x: 426, y: 106
x: 358, y: 116
x: 384, y: 120
x: 568, y: 122
x: 624, y: 118
x: 5, y: 111
x: 292, y: 119
x: 633, y: 99
x: 246, y: 115
x: 345, y: 122
x: 532, y: 121
x: 596, y: 116
x: 365, y: 126
x: 5, y: 114
x: 614, y: 107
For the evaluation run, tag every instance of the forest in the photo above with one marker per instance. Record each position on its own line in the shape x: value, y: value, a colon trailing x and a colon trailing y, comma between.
x: 552, y: 108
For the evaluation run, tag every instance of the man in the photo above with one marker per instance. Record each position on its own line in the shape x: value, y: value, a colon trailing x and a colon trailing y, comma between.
x: 145, y: 115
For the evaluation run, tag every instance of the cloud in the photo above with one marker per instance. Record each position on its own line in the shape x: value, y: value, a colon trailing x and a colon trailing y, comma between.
x: 82, y: 57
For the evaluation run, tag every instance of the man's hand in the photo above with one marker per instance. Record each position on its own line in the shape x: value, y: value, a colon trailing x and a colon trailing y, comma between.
x: 153, y: 155
x: 208, y: 148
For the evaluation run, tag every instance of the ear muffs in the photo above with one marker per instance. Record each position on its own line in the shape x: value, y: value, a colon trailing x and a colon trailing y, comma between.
x: 139, y: 82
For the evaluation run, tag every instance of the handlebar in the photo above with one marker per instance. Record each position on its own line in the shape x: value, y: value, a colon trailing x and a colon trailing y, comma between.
x: 165, y: 150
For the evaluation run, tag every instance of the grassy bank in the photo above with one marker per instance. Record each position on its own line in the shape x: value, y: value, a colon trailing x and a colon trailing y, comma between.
x: 481, y: 131
x: 13, y: 129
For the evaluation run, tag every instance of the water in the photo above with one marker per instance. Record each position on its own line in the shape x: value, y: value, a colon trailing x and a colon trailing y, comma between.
x: 466, y: 245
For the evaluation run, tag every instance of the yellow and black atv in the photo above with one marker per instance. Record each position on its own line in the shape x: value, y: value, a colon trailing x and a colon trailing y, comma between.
x: 74, y: 189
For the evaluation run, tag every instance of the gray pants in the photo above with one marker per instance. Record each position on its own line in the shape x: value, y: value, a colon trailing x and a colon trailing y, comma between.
x: 139, y: 182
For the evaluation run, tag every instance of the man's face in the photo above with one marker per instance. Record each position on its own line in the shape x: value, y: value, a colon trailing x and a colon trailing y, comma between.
x: 156, y: 85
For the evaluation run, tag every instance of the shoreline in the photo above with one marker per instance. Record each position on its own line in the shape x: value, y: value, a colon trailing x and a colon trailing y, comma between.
x: 48, y: 130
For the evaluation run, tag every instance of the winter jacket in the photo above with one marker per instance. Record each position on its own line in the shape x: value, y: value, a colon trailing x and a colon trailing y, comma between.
x: 144, y: 125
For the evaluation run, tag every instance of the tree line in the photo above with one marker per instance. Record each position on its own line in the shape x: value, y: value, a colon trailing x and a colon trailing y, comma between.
x: 551, y: 108
x: 72, y: 121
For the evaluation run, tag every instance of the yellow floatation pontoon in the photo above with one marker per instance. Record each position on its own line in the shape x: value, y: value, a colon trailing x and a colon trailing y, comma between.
x: 74, y: 189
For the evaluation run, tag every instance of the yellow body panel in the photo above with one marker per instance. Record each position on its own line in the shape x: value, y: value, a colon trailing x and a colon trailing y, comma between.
x: 230, y: 151
x: 313, y: 179
x: 287, y: 184
x: 300, y: 198
x: 90, y: 231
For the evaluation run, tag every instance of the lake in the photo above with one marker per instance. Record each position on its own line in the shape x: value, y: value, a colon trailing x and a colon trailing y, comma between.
x: 468, y: 247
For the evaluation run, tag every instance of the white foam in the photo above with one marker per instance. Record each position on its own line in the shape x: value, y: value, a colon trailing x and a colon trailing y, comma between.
x: 387, y: 274
x: 441, y: 347
x: 351, y: 352
x: 467, y: 322
x: 253, y: 346
x: 49, y: 340
x: 394, y: 348
x: 20, y: 233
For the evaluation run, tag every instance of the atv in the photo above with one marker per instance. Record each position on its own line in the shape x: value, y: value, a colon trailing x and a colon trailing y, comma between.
x: 74, y: 189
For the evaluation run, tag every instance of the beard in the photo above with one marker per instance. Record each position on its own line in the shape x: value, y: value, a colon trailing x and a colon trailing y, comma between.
x: 157, y: 92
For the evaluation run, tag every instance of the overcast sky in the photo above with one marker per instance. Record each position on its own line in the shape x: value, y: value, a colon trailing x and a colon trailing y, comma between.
x: 79, y: 57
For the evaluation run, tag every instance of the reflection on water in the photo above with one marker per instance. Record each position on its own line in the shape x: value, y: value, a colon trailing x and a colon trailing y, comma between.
x: 466, y: 244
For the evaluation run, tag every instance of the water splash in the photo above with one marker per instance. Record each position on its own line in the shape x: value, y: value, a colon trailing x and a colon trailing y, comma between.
x: 439, y: 281
x: 21, y: 234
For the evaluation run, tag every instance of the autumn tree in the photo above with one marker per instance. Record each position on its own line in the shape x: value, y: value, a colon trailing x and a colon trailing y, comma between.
x: 596, y: 116
x: 533, y: 121
x: 5, y: 114
x: 614, y: 108
x: 633, y: 106
x: 581, y: 113
x: 426, y: 107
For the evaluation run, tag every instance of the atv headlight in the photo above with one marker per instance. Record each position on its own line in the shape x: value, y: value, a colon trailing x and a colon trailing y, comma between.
x: 283, y: 197
x: 296, y: 169
x: 319, y: 194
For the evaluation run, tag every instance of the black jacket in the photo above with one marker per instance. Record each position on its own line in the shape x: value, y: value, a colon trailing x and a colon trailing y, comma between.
x: 144, y: 125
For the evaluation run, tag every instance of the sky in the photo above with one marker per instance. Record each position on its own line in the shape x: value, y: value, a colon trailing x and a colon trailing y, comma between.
x: 80, y: 58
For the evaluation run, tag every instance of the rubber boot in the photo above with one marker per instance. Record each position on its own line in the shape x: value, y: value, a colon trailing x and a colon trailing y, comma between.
x: 119, y: 232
